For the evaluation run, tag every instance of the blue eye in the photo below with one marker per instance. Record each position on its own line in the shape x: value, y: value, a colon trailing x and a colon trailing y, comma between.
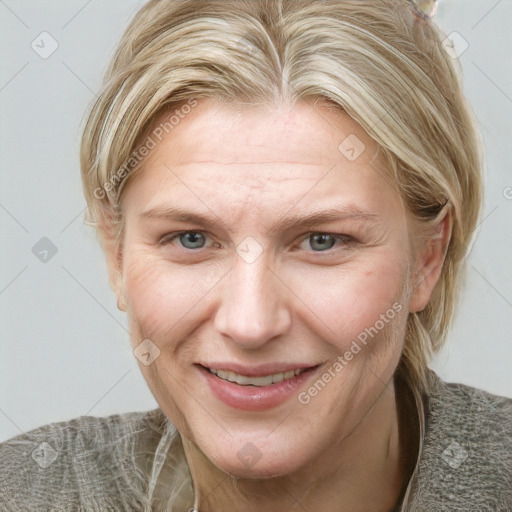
x: 197, y: 240
x: 188, y: 239
x: 321, y: 242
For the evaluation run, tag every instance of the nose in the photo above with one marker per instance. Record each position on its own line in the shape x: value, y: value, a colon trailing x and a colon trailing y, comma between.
x: 253, y: 308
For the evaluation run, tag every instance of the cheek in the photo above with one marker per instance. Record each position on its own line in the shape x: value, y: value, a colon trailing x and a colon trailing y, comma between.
x: 163, y: 302
x: 347, y: 303
x: 161, y: 297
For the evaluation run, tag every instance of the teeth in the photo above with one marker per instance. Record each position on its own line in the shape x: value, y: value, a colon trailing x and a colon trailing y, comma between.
x: 243, y: 380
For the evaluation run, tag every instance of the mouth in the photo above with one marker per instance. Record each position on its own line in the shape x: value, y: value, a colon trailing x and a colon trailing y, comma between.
x: 264, y: 380
x: 256, y: 388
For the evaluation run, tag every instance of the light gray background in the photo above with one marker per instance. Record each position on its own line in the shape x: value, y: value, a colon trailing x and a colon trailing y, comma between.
x: 65, y: 351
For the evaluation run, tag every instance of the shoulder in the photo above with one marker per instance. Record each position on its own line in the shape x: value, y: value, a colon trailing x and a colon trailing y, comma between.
x: 76, y: 464
x: 477, y: 419
x: 466, y: 461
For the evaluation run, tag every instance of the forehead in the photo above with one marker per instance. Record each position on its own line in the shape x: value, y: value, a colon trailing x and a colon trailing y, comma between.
x: 302, y: 133
x: 220, y: 156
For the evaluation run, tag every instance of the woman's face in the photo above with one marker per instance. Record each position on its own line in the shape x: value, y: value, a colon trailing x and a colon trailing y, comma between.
x: 266, y: 243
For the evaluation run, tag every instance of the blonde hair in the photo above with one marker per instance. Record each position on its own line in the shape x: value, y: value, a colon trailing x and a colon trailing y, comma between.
x: 375, y: 60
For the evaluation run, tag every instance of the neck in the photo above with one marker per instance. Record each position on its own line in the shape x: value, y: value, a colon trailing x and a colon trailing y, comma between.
x: 367, y: 470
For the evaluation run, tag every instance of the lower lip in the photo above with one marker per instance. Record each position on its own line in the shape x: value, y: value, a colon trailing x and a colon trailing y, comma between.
x: 255, y: 398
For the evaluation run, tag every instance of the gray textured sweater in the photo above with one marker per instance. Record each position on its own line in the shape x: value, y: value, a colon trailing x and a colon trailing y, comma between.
x: 103, y: 464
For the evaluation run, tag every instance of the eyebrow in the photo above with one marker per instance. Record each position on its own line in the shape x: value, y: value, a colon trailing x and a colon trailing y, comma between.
x: 302, y: 221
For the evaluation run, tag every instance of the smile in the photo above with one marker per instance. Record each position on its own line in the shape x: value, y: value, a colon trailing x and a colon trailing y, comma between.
x: 266, y: 380
x: 256, y: 388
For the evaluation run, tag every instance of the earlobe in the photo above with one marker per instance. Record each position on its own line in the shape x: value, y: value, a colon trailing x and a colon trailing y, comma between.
x: 429, y: 264
x: 121, y: 302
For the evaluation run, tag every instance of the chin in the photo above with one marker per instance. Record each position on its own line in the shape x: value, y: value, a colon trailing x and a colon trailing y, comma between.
x: 260, y: 471
x: 252, y: 463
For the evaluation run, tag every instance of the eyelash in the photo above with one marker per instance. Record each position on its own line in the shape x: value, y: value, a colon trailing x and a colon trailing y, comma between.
x: 169, y: 238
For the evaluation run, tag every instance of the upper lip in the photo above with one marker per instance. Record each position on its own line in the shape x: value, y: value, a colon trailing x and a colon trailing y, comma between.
x: 260, y: 370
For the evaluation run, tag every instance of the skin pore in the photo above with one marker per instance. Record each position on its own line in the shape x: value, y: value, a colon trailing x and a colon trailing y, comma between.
x: 302, y: 301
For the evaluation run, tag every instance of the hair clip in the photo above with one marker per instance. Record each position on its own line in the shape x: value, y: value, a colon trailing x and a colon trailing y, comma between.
x: 425, y: 9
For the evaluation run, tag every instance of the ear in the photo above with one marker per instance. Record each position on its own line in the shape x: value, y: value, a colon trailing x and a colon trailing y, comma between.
x: 429, y: 263
x: 112, y: 249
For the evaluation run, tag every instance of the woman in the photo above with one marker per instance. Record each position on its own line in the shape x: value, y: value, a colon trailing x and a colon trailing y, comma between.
x: 285, y: 192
